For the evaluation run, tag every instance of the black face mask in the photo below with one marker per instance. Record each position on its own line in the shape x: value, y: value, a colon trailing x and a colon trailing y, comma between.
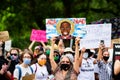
x: 9, y: 57
x: 105, y: 58
x: 65, y: 67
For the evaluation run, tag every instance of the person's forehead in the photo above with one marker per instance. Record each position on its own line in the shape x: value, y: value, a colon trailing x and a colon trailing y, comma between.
x: 106, y: 53
x: 42, y: 56
x: 26, y: 54
x: 65, y: 59
x: 14, y: 51
x: 65, y: 24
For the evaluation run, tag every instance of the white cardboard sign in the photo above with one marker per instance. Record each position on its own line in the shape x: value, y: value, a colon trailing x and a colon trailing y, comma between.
x: 96, y: 33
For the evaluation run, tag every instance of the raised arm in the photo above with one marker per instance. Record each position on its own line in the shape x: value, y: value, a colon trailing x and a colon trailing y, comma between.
x: 61, y: 46
x: 44, y: 46
x: 60, y: 43
x: 117, y: 67
x: 81, y: 56
x: 100, y: 51
x: 53, y: 63
x: 31, y: 45
x: 76, y: 62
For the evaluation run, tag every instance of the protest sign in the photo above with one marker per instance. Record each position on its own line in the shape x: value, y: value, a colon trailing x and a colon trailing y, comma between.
x: 8, y: 44
x: 116, y: 40
x: 96, y: 33
x: 4, y: 35
x: 116, y: 58
x: 116, y: 52
x: 29, y: 77
x: 38, y: 35
x: 77, y: 26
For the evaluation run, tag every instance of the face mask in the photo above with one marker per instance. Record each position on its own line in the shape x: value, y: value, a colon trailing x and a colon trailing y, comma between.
x: 9, y: 57
x: 47, y: 52
x: 85, y: 55
x: 41, y: 62
x: 26, y: 61
x: 57, y: 59
x: 105, y: 58
x: 14, y: 57
x: 65, y: 67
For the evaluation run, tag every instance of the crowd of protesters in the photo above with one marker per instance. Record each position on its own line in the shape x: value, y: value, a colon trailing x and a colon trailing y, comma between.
x: 57, y: 62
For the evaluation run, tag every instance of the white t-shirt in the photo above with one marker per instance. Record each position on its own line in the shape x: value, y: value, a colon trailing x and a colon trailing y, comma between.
x: 41, y: 71
x: 24, y: 71
x: 96, y: 69
x: 87, y: 70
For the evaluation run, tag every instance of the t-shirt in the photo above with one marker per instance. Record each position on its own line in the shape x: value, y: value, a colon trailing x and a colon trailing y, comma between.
x: 105, y: 70
x: 67, y: 42
x: 41, y: 72
x: 24, y: 72
x: 96, y: 69
x: 86, y: 70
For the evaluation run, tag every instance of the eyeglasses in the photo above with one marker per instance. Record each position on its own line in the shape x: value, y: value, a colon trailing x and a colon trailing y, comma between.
x: 65, y: 62
x: 14, y: 54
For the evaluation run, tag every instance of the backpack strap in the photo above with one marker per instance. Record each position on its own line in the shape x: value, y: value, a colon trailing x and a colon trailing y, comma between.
x: 36, y: 68
x: 20, y: 72
x: 31, y: 69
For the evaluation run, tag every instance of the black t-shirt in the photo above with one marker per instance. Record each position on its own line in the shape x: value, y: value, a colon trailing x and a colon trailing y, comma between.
x: 2, y: 61
x: 67, y: 42
x: 117, y: 77
x: 3, y: 77
x: 12, y: 66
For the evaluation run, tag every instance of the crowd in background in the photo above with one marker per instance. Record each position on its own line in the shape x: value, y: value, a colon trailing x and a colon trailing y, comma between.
x: 57, y: 62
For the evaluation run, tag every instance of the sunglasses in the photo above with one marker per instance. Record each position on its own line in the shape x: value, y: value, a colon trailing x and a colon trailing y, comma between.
x: 14, y: 54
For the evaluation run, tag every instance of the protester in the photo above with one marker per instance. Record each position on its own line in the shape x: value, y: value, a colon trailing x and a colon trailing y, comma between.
x: 57, y: 56
x: 41, y: 68
x: 3, y: 70
x: 4, y: 74
x: 14, y: 59
x: 105, y: 67
x: 24, y: 69
x: 66, y: 69
x: 38, y: 49
x: 86, y: 65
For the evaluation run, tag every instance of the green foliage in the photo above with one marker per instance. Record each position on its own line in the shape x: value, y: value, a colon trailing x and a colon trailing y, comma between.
x: 19, y: 17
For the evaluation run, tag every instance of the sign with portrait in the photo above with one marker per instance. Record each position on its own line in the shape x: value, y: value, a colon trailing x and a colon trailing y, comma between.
x: 65, y: 27
x: 96, y: 33
x: 38, y: 35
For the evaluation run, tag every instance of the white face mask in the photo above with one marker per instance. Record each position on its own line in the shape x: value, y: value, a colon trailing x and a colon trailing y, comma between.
x: 85, y: 55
